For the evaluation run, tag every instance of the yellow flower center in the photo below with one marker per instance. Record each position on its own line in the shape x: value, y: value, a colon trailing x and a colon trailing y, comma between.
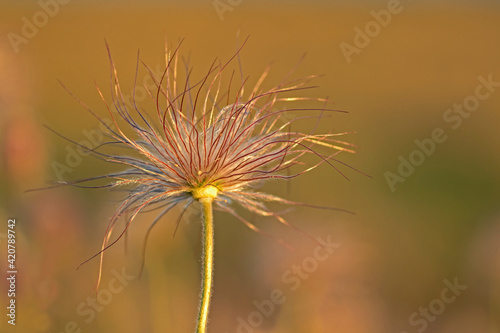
x: 208, y: 191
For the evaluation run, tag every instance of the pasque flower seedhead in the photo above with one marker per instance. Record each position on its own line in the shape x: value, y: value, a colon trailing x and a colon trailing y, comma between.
x: 208, y: 143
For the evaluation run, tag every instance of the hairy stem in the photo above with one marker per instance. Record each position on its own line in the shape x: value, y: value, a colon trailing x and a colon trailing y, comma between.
x: 208, y: 264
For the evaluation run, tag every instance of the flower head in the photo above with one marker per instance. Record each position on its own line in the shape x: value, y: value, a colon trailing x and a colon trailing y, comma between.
x: 208, y: 142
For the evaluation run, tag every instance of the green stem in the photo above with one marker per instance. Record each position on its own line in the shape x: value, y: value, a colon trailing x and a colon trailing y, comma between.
x: 208, y: 264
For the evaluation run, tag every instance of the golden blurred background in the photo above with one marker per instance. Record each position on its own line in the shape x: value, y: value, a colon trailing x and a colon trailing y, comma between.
x: 422, y: 253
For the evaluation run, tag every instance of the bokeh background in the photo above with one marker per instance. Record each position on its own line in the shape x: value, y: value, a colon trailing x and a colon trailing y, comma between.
x: 441, y: 224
